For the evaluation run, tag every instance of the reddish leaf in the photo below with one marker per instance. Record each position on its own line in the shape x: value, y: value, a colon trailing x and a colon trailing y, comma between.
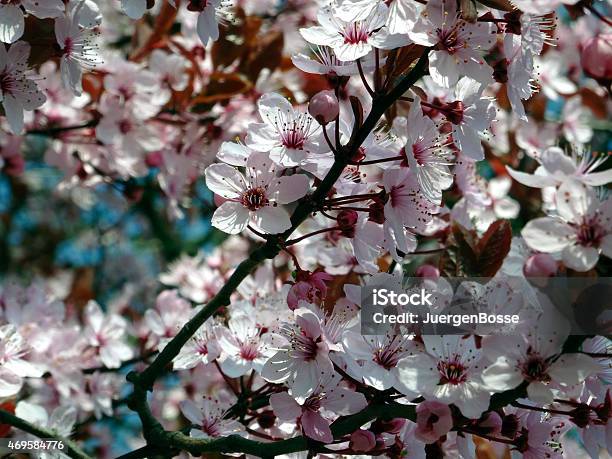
x: 403, y: 59
x: 267, y: 52
x: 163, y: 23
x: 222, y: 87
x: 504, y: 5
x: 493, y: 248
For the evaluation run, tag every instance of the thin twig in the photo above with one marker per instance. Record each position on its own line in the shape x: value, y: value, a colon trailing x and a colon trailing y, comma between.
x: 70, y: 448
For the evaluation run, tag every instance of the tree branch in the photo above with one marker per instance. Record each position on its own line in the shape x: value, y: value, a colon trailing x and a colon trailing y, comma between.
x: 153, y: 431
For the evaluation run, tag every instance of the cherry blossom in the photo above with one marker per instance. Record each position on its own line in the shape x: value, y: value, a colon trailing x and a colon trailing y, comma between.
x: 324, y: 62
x: 106, y: 335
x: 530, y: 358
x: 18, y: 92
x: 79, y: 50
x: 61, y: 421
x: 289, y: 135
x: 242, y: 346
x: 376, y: 358
x: 557, y: 167
x: 352, y: 40
x: 425, y: 153
x: 433, y: 421
x: 339, y: 147
x: 327, y: 396
x: 460, y: 44
x: 254, y: 198
x: 171, y: 311
x: 14, y: 351
x: 450, y: 371
x: 304, y: 359
x: 12, y: 16
x: 203, y: 347
x: 471, y: 115
x: 208, y: 420
x: 210, y: 14
x: 581, y: 231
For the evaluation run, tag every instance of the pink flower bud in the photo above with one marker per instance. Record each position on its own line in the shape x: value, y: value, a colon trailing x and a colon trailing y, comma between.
x: 540, y: 265
x: 347, y: 219
x: 596, y: 57
x: 362, y: 440
x: 428, y: 272
x: 434, y: 419
x: 324, y: 106
x: 310, y: 287
x: 490, y: 424
x: 154, y: 159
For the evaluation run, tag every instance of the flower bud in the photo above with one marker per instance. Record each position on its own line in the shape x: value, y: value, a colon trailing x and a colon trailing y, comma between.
x: 324, y: 106
x: 596, y: 57
x: 490, y: 423
x: 434, y: 419
x: 362, y: 440
x: 347, y: 219
x: 510, y: 426
x: 540, y: 265
x: 266, y: 419
x: 428, y: 272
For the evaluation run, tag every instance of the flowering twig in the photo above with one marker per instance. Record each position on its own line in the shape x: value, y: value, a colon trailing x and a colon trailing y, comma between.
x: 153, y: 431
x: 124, y: 364
x: 363, y: 78
x: 314, y: 233
x: 53, y: 131
x: 70, y: 448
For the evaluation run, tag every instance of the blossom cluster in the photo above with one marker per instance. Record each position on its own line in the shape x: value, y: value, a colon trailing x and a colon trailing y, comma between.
x: 338, y: 145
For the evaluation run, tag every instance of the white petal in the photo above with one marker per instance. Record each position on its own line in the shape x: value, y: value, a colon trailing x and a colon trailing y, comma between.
x: 231, y: 218
x: 34, y: 414
x: 235, y: 368
x: 571, y: 369
x: 502, y: 375
x: 272, y: 220
x: 606, y: 246
x: 284, y: 406
x: 468, y: 142
x: 10, y: 383
x: 225, y: 181
x: 14, y: 113
x: 574, y: 200
x: 443, y: 68
x: 580, y: 258
x: 207, y: 26
x: 547, y: 234
x: 234, y: 153
x: 539, y: 393
x: 532, y: 180
x: 134, y: 8
x: 191, y: 411
x: 288, y: 189
x: 11, y: 23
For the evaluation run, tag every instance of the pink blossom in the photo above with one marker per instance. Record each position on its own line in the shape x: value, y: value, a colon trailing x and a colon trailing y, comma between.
x: 309, y: 287
x: 107, y: 334
x: 208, y: 419
x: 304, y: 357
x: 254, y: 198
x: 309, y: 413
